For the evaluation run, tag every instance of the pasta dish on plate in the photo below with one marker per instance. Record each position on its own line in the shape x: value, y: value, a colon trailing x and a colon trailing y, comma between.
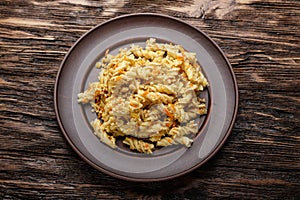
x: 148, y: 97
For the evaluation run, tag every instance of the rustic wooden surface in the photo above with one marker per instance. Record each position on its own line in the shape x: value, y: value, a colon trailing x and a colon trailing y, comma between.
x: 260, y: 160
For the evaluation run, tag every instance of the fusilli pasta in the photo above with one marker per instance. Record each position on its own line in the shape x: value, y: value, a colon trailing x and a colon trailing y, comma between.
x: 148, y: 97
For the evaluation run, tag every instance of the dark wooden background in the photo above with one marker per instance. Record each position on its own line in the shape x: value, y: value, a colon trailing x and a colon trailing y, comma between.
x: 260, y: 160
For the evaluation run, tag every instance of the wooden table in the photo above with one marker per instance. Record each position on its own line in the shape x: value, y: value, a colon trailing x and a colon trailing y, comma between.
x: 260, y: 160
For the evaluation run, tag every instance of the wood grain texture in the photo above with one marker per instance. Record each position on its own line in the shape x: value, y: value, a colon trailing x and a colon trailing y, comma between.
x: 261, y: 158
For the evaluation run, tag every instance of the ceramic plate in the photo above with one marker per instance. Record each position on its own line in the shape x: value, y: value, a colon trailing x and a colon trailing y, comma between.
x: 78, y: 70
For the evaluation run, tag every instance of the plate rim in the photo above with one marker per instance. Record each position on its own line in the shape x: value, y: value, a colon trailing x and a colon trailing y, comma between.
x: 113, y: 174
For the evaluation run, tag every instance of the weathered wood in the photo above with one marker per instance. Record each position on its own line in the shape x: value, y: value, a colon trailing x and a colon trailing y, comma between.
x: 260, y: 160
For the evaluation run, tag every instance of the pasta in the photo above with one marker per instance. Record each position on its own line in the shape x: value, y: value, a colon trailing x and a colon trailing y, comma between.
x: 147, y: 97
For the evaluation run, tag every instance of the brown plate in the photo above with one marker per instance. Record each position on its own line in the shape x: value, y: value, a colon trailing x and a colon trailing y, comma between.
x: 77, y: 71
